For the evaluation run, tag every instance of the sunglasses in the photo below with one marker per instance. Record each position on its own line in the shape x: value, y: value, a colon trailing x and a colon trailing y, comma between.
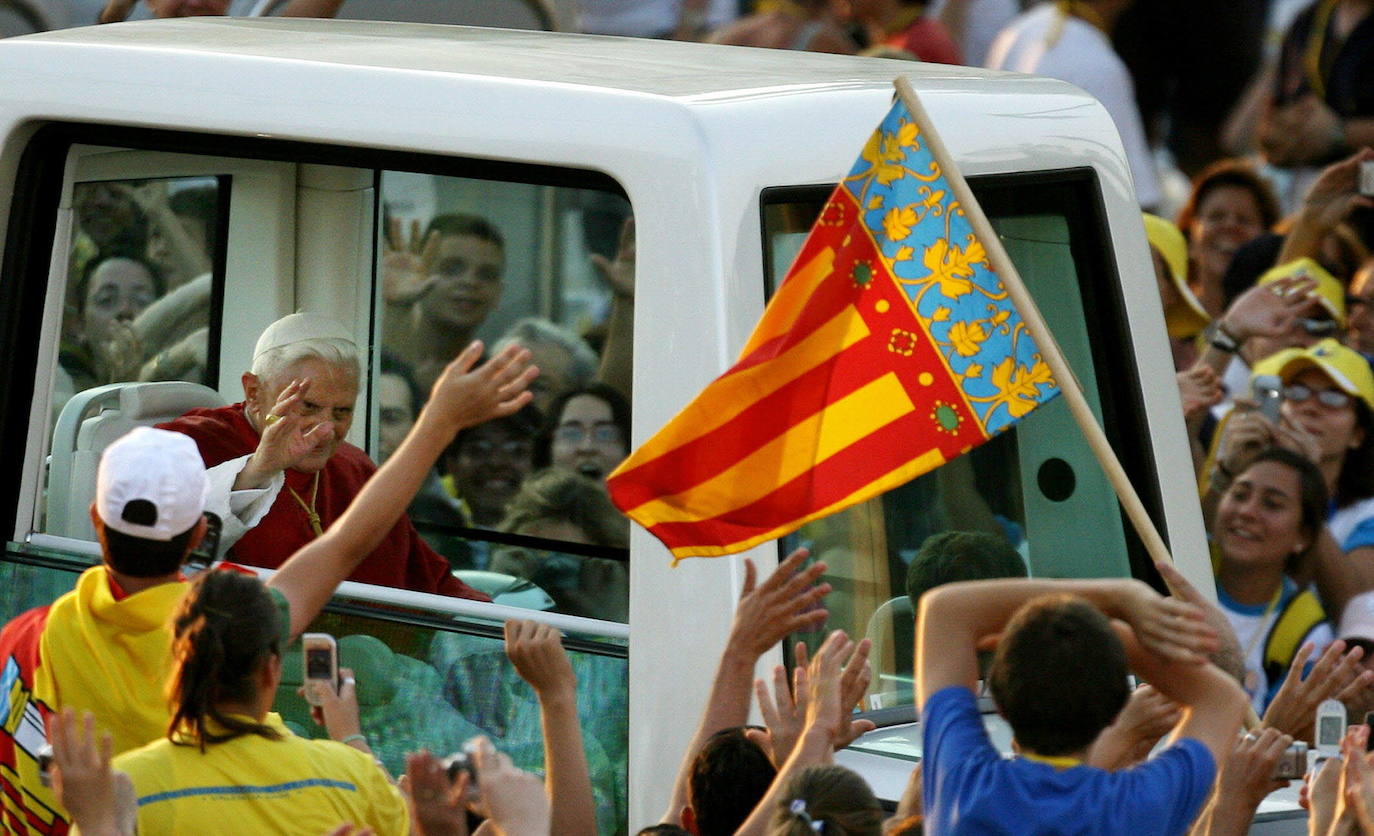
x: 1334, y: 398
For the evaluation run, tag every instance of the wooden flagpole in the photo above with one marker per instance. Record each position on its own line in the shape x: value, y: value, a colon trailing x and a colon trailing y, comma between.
x: 1044, y: 339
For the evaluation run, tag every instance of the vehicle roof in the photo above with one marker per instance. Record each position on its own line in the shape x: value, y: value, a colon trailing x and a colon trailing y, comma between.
x: 655, y: 67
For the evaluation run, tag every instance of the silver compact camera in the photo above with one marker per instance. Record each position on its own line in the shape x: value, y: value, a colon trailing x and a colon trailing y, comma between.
x: 1293, y: 764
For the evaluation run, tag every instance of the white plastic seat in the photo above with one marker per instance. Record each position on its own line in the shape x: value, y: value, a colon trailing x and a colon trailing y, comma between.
x: 89, y: 423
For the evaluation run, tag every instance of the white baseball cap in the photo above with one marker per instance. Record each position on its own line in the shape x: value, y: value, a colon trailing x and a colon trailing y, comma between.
x: 298, y: 327
x: 151, y: 484
x: 1357, y: 620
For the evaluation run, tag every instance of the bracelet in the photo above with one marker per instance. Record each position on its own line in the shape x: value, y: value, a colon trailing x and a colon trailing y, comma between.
x: 352, y: 737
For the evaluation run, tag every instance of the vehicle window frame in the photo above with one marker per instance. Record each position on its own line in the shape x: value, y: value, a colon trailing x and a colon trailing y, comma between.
x: 1073, y: 194
x: 1120, y: 392
x: 27, y: 293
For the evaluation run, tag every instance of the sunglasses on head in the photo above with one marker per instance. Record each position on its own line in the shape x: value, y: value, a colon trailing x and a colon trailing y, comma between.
x: 1334, y: 398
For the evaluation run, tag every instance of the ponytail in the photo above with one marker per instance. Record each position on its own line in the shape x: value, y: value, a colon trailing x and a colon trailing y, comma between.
x: 223, y: 632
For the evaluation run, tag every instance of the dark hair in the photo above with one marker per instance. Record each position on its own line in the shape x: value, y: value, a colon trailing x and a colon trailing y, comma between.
x: 837, y: 797
x: 1356, y: 479
x: 83, y: 282
x: 961, y: 556
x: 1059, y: 674
x: 1312, y: 496
x: 461, y: 224
x: 620, y: 414
x: 730, y: 776
x: 664, y: 830
x: 393, y: 365
x: 559, y: 494
x: 222, y: 633
x: 1229, y: 173
x: 139, y: 557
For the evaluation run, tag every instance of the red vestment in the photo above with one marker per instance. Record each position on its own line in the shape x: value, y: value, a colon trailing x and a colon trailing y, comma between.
x: 402, y: 560
x: 928, y: 40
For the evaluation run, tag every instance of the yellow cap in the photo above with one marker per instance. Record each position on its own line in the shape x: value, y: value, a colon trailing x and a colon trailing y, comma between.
x: 1347, y: 368
x: 1188, y: 317
x: 1330, y: 292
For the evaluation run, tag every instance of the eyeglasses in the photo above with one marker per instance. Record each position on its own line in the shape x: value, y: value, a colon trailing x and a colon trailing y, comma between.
x: 1334, y: 398
x: 1318, y: 327
x: 598, y: 433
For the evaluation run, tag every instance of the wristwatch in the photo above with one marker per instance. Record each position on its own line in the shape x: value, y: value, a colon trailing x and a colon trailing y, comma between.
x: 1218, y: 337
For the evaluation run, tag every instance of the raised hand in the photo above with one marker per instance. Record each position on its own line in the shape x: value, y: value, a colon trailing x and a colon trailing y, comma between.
x: 337, y: 710
x: 824, y: 709
x: 513, y: 799
x: 464, y: 396
x: 1248, y: 774
x: 436, y: 804
x: 1269, y: 310
x: 537, y: 652
x: 1200, y: 389
x: 1228, y: 655
x: 1336, y: 191
x: 1358, y: 777
x: 1245, y: 433
x: 1147, y: 716
x: 854, y: 680
x: 1295, y: 704
x: 1170, y: 628
x: 408, y: 264
x: 783, y: 711
x: 282, y: 443
x: 788, y: 602
x: 619, y: 274
x: 82, y: 778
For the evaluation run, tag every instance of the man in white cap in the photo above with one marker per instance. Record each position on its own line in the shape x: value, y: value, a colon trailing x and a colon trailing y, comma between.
x: 305, y: 365
x: 105, y: 647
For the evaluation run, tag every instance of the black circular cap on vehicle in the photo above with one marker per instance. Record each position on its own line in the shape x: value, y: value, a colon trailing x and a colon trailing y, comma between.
x: 1056, y: 480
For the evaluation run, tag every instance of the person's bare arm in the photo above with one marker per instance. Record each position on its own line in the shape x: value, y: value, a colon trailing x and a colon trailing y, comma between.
x: 954, y: 617
x: 537, y: 652
x: 1214, y: 704
x: 1247, y: 776
x: 1147, y: 716
x: 617, y: 354
x: 788, y: 602
x: 462, y: 397
x: 1330, y: 200
x: 822, y: 726
x: 1258, y: 312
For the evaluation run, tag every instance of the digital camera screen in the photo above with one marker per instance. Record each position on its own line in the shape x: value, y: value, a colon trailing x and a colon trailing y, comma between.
x: 1330, y: 731
x: 317, y: 663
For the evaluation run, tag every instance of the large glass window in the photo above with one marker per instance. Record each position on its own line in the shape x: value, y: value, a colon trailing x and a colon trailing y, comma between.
x: 1033, y: 499
x: 139, y: 295
x: 169, y: 281
x: 549, y: 268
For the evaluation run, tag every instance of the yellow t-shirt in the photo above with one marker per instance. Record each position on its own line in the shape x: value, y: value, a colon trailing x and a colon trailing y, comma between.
x: 254, y: 785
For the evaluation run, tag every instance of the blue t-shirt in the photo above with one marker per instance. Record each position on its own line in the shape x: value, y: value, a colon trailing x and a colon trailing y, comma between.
x: 970, y: 788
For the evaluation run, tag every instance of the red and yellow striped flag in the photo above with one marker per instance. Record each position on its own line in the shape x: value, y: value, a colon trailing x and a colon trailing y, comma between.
x: 890, y: 348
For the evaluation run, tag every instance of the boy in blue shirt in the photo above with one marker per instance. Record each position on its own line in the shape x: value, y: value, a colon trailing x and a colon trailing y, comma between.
x: 1059, y: 678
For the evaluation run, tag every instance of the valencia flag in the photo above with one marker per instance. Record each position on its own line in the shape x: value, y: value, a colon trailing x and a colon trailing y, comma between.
x: 889, y: 348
